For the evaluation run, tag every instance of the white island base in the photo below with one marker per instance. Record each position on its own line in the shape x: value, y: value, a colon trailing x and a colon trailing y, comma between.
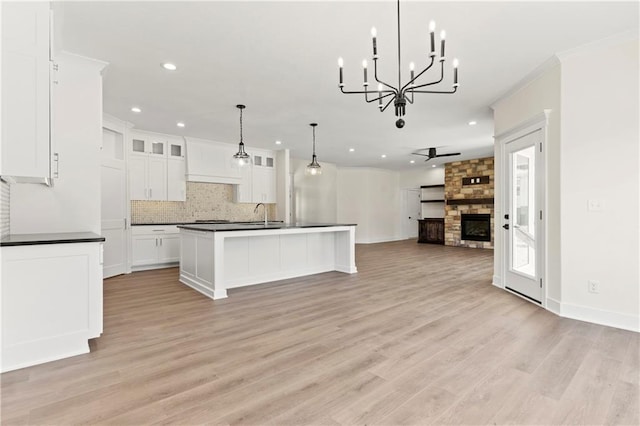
x: 212, y: 262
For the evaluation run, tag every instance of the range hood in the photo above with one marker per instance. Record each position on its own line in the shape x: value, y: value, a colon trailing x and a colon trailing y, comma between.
x: 211, y: 162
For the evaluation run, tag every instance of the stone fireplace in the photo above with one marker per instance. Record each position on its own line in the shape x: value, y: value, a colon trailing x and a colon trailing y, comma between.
x: 469, y: 191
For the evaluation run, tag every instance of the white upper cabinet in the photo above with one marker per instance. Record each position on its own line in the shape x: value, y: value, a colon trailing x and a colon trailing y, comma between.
x: 26, y: 66
x: 156, y: 167
x: 258, y: 182
x: 212, y: 162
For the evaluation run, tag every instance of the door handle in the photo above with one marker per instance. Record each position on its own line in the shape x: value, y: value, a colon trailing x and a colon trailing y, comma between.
x: 505, y: 226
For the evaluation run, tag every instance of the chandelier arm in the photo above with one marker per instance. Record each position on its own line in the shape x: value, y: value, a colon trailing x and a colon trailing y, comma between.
x: 381, y: 97
x: 432, y: 83
x: 360, y: 92
x: 455, y: 89
x: 375, y: 75
x: 406, y: 98
x: 419, y: 74
x: 388, y: 103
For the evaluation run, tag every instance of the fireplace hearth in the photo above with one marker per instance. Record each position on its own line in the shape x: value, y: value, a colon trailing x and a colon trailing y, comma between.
x: 475, y: 227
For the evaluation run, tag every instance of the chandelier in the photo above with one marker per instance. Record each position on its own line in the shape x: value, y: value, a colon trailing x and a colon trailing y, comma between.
x: 313, y: 168
x: 402, y: 94
x: 241, y: 157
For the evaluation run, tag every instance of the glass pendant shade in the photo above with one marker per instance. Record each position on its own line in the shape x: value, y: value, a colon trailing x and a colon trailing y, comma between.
x: 313, y: 168
x: 241, y: 158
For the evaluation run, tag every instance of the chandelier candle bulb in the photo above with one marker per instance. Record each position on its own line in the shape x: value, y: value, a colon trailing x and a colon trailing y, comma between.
x: 340, y: 65
x: 412, y: 67
x: 455, y: 72
x: 442, y: 37
x: 432, y: 31
x: 375, y: 46
x: 364, y: 67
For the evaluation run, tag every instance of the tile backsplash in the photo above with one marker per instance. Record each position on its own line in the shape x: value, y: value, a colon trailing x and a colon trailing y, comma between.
x: 204, y: 201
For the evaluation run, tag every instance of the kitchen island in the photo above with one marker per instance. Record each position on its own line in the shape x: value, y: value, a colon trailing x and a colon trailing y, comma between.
x: 216, y: 257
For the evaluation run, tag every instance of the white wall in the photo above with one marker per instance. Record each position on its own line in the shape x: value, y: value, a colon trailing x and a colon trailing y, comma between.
x: 421, y: 175
x: 371, y: 198
x: 592, y: 153
x: 599, y: 151
x: 539, y: 94
x: 73, y: 203
x: 314, y: 196
x: 283, y: 185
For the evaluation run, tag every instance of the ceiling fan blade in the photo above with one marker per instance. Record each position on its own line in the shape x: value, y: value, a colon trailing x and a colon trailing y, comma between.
x: 428, y: 159
x: 448, y: 155
x: 417, y: 153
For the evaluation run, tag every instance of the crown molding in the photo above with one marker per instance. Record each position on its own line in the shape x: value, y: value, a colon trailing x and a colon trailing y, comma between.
x: 547, y: 65
x: 600, y: 44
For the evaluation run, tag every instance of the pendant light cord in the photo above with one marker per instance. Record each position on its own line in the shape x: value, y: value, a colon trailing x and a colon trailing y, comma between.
x: 399, y: 83
x: 314, y: 141
x: 240, y: 125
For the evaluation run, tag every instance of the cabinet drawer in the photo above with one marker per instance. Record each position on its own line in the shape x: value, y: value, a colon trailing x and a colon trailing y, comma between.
x: 154, y: 229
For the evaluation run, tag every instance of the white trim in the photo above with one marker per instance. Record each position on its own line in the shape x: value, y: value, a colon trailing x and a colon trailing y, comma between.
x: 382, y: 240
x: 547, y: 65
x: 603, y: 43
x: 553, y: 306
x: 597, y: 316
x: 497, y: 281
x: 538, y: 121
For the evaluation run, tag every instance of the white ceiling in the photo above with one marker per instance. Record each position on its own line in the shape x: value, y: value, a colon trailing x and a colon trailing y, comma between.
x: 280, y: 59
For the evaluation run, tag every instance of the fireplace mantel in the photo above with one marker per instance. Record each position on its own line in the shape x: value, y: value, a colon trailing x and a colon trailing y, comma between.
x: 469, y: 201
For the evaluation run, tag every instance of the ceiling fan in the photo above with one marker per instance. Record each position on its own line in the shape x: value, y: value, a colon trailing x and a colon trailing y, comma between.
x: 432, y: 154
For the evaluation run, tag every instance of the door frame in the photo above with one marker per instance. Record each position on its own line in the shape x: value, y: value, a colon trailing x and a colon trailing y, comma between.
x: 539, y: 122
x: 123, y: 127
x: 404, y: 196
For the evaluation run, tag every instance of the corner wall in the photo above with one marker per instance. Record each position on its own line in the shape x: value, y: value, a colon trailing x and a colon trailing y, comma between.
x: 539, y: 94
x: 600, y: 161
x: 72, y: 204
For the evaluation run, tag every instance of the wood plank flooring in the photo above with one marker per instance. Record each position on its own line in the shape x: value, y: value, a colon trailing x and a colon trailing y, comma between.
x: 418, y: 336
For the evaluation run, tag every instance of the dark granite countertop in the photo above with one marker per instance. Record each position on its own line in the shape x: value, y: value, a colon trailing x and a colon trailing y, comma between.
x: 254, y: 226
x: 50, y: 238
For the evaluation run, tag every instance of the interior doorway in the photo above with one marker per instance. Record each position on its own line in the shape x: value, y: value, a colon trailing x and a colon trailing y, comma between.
x: 114, y: 203
x: 412, y: 212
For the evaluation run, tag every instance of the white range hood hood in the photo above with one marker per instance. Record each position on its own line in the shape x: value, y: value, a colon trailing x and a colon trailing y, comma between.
x: 211, y: 162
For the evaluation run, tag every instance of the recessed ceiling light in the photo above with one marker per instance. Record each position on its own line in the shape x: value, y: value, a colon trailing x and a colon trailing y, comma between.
x: 169, y: 66
x: 180, y: 124
x: 384, y: 156
x: 412, y: 161
x: 351, y: 149
x: 135, y: 109
x: 473, y: 123
x: 433, y: 165
x: 278, y: 142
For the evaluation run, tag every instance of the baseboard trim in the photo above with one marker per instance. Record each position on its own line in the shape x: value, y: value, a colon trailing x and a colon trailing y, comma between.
x: 382, y: 240
x: 497, y: 281
x: 597, y: 316
x: 553, y: 306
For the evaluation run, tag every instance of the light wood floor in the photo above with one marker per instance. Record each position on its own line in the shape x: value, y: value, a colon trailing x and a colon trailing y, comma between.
x: 418, y: 336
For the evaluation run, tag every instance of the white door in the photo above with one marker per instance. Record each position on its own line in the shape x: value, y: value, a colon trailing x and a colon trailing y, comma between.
x: 113, y: 204
x: 138, y: 178
x: 176, y: 183
x: 413, y: 211
x: 522, y: 216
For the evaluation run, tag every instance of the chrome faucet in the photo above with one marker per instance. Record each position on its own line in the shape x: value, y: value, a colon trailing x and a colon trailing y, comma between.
x: 265, y: 212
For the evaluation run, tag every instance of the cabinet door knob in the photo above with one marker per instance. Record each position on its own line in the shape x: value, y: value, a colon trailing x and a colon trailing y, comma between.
x: 505, y: 226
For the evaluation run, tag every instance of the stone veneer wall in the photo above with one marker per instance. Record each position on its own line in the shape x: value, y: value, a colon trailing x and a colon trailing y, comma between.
x: 454, y: 190
x: 204, y: 201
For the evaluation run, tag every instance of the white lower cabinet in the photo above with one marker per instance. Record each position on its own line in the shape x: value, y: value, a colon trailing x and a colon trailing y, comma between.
x: 155, y: 246
x: 51, y: 302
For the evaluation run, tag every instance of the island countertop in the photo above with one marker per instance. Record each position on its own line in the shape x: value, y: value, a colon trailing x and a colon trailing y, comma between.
x: 223, y: 227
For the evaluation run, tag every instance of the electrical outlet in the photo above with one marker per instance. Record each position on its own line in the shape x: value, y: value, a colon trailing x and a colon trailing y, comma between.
x: 593, y: 286
x: 595, y: 205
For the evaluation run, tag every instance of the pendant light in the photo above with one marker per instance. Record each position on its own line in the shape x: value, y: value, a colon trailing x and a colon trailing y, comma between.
x: 241, y: 158
x: 313, y: 168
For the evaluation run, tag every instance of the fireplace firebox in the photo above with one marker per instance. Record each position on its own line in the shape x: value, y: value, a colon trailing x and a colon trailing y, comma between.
x: 476, y: 227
